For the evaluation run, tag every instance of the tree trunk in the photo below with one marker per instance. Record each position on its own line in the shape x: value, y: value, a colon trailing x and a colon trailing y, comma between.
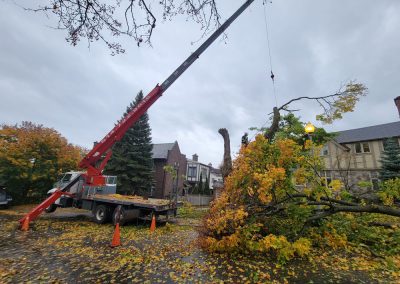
x: 227, y: 163
x: 270, y: 133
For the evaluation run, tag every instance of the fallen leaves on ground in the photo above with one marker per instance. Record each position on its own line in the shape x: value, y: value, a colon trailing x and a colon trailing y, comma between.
x: 57, y: 250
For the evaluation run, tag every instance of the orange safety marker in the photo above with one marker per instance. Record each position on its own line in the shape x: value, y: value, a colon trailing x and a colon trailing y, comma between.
x: 25, y: 224
x: 116, y: 241
x: 153, y: 224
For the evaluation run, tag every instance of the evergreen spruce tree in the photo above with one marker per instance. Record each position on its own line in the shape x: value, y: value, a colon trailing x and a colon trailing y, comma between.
x: 390, y: 160
x: 195, y: 189
x: 131, y: 160
x: 207, y: 190
x: 200, y: 185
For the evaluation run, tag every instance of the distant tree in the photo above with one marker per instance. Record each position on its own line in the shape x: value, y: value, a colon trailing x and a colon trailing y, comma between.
x: 131, y: 160
x: 195, y: 189
x: 200, y: 184
x: 207, y: 190
x: 31, y: 158
x: 245, y: 139
x: 390, y: 160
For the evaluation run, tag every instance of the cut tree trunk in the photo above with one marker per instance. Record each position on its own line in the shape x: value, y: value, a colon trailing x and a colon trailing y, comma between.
x: 227, y: 163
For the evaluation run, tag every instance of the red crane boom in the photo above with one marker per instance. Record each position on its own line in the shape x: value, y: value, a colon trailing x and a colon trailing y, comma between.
x: 95, y: 161
x: 102, y: 148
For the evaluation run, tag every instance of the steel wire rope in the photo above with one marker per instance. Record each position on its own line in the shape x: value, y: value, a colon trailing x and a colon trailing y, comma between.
x: 270, y: 63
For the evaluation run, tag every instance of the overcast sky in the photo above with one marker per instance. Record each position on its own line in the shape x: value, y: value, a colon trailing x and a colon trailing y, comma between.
x: 316, y: 46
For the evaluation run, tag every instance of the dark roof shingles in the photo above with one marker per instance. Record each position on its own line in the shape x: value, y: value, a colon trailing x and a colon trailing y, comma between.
x: 374, y: 132
x: 160, y: 151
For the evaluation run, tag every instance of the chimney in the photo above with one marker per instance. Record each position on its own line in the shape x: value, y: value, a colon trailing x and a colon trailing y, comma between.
x: 210, y: 165
x: 195, y: 158
x: 397, y: 102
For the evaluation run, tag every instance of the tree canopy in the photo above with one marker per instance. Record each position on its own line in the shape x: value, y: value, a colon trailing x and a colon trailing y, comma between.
x: 276, y: 200
x: 100, y: 20
x: 31, y: 158
x: 333, y: 106
x: 275, y: 196
x: 131, y: 160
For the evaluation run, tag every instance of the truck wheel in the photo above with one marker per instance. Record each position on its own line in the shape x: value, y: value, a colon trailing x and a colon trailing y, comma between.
x: 51, y: 208
x: 101, y: 214
x: 122, y: 216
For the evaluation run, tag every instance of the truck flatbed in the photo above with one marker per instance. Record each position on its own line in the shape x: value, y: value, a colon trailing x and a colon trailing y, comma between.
x: 137, y: 201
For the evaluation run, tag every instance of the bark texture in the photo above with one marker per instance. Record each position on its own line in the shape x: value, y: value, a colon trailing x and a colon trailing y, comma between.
x: 227, y: 162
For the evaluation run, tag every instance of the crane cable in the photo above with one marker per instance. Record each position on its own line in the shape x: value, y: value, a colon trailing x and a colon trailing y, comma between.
x: 270, y: 63
x: 269, y: 50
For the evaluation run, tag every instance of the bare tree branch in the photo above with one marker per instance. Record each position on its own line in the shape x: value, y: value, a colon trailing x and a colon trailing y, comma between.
x: 333, y: 106
x: 102, y: 20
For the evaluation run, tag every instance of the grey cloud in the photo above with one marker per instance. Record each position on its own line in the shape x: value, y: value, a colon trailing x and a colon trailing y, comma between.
x: 316, y: 46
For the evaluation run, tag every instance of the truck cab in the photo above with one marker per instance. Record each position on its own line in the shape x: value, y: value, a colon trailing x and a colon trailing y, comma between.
x: 5, y: 199
x: 79, y: 190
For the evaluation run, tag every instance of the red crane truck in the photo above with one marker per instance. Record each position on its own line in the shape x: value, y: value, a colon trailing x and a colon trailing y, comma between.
x: 94, y: 191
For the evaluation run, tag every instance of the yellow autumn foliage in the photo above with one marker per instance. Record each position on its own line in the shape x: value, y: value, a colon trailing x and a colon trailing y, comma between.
x: 32, y: 156
x: 261, y: 172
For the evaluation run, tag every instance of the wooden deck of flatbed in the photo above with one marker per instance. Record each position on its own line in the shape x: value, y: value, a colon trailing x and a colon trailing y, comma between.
x: 137, y: 201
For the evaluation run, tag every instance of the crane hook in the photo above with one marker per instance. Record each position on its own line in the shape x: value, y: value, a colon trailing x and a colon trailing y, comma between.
x: 272, y: 76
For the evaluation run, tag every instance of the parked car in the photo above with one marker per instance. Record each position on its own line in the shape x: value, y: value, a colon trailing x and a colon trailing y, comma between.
x: 5, y: 199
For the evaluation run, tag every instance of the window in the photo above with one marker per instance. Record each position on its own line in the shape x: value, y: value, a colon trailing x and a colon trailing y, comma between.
x: 204, y: 174
x: 192, y: 171
x: 66, y: 178
x: 325, y: 151
x: 362, y: 147
x: 111, y: 180
x: 358, y: 148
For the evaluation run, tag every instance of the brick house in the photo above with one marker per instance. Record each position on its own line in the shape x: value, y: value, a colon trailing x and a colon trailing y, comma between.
x: 167, y: 154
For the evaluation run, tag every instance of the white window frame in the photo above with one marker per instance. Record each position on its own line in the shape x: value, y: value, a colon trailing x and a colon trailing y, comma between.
x: 192, y: 169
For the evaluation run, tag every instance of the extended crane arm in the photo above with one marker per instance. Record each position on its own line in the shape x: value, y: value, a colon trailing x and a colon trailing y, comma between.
x: 92, y: 160
x: 89, y: 161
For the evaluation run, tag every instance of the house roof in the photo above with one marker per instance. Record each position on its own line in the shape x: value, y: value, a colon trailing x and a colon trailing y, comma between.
x: 374, y: 132
x: 216, y: 171
x: 160, y: 151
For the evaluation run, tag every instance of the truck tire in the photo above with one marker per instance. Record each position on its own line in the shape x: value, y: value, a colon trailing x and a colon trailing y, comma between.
x: 51, y: 208
x: 122, y: 216
x: 101, y: 214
